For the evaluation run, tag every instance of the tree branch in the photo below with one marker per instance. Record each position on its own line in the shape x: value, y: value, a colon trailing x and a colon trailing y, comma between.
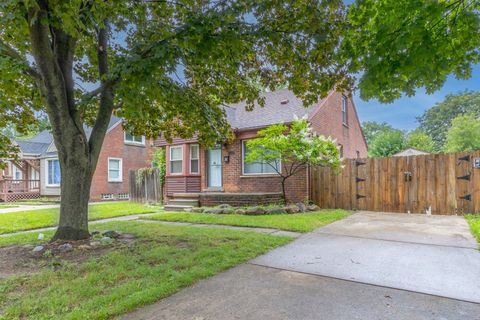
x: 8, y: 51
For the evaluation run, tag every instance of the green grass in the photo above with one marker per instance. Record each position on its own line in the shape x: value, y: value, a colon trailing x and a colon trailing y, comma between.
x: 474, y: 222
x: 163, y: 260
x: 302, y: 222
x: 6, y: 206
x: 33, y: 219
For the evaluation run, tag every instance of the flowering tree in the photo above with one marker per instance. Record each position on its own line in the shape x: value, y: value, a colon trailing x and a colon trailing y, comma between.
x: 290, y: 149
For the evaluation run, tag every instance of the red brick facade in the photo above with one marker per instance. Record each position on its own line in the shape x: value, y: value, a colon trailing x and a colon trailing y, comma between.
x: 133, y: 157
x: 326, y: 119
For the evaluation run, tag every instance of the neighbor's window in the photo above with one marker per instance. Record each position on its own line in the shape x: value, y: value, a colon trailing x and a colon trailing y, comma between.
x: 134, y: 139
x: 114, y: 170
x: 194, y: 158
x: 258, y: 167
x: 53, y: 172
x: 16, y: 173
x: 344, y: 110
x: 176, y: 160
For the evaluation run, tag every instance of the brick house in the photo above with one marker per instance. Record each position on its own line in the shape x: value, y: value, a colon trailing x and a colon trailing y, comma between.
x: 220, y: 174
x: 37, y: 173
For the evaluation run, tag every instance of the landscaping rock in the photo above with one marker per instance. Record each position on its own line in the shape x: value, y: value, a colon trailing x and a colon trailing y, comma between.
x: 240, y: 211
x: 66, y: 247
x: 28, y: 246
x: 228, y: 211
x: 275, y: 210
x: 84, y: 247
x: 254, y: 211
x: 111, y: 234
x: 301, y: 206
x: 313, y: 207
x: 224, y: 205
x: 213, y: 211
x: 292, y: 209
x: 197, y: 210
x: 41, y: 236
x: 38, y: 249
x: 106, y: 239
x: 95, y: 243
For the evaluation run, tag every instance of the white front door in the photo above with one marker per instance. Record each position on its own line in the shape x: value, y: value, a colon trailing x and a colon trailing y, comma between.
x: 214, y: 170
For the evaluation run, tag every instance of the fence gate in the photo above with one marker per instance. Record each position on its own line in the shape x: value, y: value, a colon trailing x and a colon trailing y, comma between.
x: 442, y: 183
x: 144, y: 186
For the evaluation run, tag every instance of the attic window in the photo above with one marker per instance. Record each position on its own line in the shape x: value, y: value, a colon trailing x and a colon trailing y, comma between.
x: 285, y: 101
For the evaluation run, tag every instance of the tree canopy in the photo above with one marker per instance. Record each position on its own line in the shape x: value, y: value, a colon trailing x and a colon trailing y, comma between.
x: 371, y: 129
x: 419, y: 140
x: 464, y: 134
x: 437, y: 120
x: 386, y: 143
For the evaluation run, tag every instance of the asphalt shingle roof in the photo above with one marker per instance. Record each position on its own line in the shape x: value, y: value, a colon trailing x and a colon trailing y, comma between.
x: 281, y: 106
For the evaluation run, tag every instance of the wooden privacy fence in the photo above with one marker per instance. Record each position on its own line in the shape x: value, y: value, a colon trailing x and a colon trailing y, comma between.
x: 144, y: 186
x: 446, y: 183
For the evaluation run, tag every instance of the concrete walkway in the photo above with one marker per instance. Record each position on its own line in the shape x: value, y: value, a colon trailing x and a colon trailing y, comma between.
x: 367, y: 266
x: 28, y: 207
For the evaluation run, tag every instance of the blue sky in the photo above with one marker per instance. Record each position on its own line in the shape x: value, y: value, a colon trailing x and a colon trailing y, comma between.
x: 402, y: 113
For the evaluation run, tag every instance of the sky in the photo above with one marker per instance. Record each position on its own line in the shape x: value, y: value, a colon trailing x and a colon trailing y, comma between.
x: 402, y: 113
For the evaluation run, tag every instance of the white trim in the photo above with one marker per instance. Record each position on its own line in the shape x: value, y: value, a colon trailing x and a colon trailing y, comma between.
x: 170, y: 160
x: 257, y: 174
x: 190, y: 160
x: 120, y: 168
x: 47, y: 166
x: 135, y: 143
x: 114, y: 125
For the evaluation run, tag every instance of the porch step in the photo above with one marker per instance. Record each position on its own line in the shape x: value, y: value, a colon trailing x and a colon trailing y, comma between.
x: 186, y: 195
x: 176, y: 207
x: 184, y: 202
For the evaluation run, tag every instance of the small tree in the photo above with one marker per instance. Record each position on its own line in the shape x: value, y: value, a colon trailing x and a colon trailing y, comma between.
x: 464, y: 134
x: 420, y: 140
x: 387, y: 143
x: 289, y: 150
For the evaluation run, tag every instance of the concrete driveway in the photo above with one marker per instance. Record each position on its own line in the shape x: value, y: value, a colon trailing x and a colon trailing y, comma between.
x: 367, y: 266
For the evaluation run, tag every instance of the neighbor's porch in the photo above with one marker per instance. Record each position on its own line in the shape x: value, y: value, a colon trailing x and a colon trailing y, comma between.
x: 20, y: 180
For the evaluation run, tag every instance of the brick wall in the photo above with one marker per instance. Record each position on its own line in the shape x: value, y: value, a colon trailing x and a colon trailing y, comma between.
x: 240, y: 199
x: 327, y: 120
x: 133, y: 157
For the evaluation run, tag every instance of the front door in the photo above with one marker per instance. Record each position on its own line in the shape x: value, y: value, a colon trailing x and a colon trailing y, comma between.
x: 214, y: 170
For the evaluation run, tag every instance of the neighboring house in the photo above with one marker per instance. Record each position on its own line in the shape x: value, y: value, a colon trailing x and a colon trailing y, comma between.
x: 220, y: 174
x: 410, y: 152
x: 37, y: 173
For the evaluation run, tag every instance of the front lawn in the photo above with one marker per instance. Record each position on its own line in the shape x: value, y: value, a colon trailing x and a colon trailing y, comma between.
x: 33, y: 219
x: 6, y: 206
x: 474, y: 222
x: 300, y: 222
x: 162, y: 260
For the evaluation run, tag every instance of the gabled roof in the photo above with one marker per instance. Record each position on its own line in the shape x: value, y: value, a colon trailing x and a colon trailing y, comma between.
x: 281, y: 106
x: 410, y: 152
x: 39, y: 145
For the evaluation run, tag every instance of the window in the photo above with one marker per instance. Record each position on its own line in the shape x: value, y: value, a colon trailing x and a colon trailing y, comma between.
x: 123, y: 196
x: 194, y: 158
x: 16, y: 173
x: 176, y: 160
x: 134, y: 139
x: 344, y: 110
x: 114, y: 170
x: 107, y: 196
x: 258, y: 167
x: 53, y: 172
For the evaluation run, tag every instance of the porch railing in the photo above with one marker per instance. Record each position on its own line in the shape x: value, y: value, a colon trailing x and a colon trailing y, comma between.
x: 19, y: 186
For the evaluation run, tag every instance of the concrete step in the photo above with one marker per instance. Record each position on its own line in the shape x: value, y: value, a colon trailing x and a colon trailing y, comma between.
x: 176, y: 208
x: 186, y: 195
x: 184, y: 202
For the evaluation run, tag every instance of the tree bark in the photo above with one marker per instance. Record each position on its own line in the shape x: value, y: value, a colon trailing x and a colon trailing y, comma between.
x: 283, y: 190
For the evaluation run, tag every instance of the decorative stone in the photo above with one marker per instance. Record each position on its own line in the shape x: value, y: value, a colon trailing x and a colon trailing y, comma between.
x: 66, y: 247
x: 292, y: 209
x: 213, y: 211
x: 38, y: 249
x: 254, y: 211
x: 275, y: 210
x: 28, y: 246
x: 224, y: 205
x: 302, y: 207
x: 41, y: 236
x: 240, y: 211
x: 313, y: 207
x: 228, y: 211
x: 95, y: 243
x: 94, y: 233
x: 197, y: 210
x: 84, y: 247
x: 106, y: 239
x: 111, y: 234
